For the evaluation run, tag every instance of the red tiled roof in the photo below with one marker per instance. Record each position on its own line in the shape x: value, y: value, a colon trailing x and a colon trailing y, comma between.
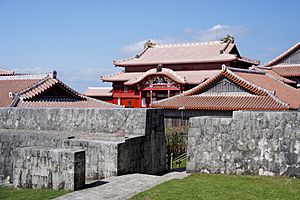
x: 220, y: 102
x: 287, y: 70
x: 43, y: 86
x: 265, y: 93
x: 282, y: 91
x: 13, y: 87
x: 83, y: 103
x: 99, y: 91
x: 205, y: 52
x: 121, y: 76
x: 283, y: 55
x: 27, y: 91
x: 191, y: 77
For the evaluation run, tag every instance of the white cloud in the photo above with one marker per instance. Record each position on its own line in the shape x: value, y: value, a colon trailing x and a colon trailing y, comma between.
x: 188, y: 35
x: 218, y: 31
x: 272, y: 49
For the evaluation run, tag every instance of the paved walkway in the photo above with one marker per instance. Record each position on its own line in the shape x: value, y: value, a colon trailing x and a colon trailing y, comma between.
x: 121, y: 187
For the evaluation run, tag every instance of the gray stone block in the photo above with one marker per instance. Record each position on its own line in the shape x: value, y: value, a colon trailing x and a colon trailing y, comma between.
x: 49, y: 168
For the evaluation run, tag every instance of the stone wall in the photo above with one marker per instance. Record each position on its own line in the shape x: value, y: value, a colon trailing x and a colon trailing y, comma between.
x: 112, y: 138
x: 49, y: 168
x: 129, y: 121
x: 260, y: 143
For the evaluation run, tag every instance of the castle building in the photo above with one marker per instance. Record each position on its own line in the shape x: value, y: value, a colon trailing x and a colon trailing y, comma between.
x: 163, y: 71
x: 42, y: 90
x: 235, y: 89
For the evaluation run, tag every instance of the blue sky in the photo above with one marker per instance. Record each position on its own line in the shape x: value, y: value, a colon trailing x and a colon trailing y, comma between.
x: 80, y: 39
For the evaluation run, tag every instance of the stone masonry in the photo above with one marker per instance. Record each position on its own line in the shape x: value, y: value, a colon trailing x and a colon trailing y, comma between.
x: 117, y: 141
x: 49, y: 168
x: 252, y: 142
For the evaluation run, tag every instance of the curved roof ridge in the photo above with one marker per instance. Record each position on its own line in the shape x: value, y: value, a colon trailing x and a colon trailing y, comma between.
x: 225, y: 95
x: 111, y: 75
x: 43, y: 86
x: 227, y: 73
x: 165, y: 71
x: 284, y: 54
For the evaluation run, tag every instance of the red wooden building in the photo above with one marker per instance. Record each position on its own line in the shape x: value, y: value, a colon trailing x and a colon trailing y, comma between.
x: 162, y: 71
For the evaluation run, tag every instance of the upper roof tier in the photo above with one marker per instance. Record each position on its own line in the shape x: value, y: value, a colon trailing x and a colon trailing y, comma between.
x: 186, y: 53
x: 287, y: 64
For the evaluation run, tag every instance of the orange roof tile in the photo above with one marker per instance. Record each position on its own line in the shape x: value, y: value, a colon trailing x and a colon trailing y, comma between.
x: 190, y: 77
x: 265, y: 92
x: 220, y: 102
x: 204, y: 52
x: 57, y: 103
x: 287, y: 70
x: 99, y: 91
x: 27, y: 91
x: 13, y: 87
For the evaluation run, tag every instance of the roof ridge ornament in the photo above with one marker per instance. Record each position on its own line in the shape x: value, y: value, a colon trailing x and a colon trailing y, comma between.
x: 224, y: 68
x: 149, y: 44
x: 159, y: 67
x: 228, y: 38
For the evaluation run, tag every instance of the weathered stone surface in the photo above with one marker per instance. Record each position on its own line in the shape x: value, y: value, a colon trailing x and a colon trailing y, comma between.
x: 262, y: 143
x: 129, y: 121
x: 49, y: 168
x: 117, y: 141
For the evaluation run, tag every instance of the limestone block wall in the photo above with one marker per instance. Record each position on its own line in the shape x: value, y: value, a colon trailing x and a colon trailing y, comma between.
x: 129, y: 121
x: 105, y: 134
x: 11, y: 139
x: 252, y: 142
x: 101, y: 156
x: 49, y: 168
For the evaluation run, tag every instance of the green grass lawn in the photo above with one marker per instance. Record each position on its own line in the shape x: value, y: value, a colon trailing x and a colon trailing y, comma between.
x: 29, y: 194
x: 212, y: 186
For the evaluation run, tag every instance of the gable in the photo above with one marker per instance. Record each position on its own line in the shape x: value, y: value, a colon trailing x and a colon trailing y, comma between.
x: 292, y: 59
x: 55, y: 93
x: 224, y: 86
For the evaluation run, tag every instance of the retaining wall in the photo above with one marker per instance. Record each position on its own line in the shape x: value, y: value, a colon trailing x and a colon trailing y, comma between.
x: 117, y: 141
x: 260, y: 143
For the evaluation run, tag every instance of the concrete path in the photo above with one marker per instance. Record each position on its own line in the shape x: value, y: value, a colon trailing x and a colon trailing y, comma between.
x: 121, y: 187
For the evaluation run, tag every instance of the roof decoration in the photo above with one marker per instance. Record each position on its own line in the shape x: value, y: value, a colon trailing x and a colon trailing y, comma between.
x: 159, y: 71
x: 190, y: 77
x: 197, y: 52
x: 5, y: 72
